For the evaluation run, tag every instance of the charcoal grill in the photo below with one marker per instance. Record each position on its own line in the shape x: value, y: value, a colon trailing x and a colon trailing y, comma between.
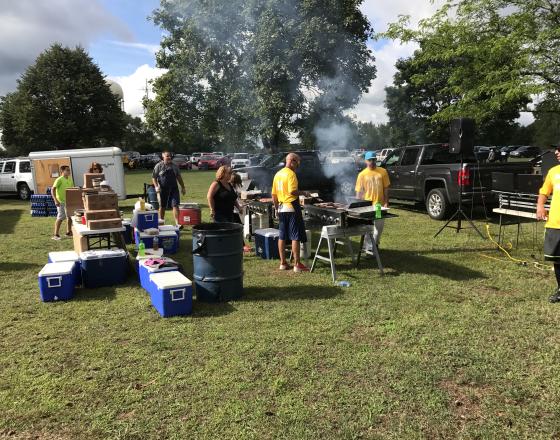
x: 343, y: 215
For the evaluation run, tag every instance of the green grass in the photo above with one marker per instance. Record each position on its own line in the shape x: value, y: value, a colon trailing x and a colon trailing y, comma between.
x: 448, y: 344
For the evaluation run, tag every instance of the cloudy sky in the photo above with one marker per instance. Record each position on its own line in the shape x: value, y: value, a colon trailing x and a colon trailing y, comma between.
x: 122, y: 41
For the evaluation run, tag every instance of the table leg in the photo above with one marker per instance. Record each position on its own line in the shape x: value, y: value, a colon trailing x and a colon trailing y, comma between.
x: 360, y: 250
x: 331, y: 258
x: 375, y: 251
x: 316, y: 254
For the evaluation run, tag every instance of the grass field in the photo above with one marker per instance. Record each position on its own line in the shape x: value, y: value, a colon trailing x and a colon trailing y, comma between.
x: 453, y: 342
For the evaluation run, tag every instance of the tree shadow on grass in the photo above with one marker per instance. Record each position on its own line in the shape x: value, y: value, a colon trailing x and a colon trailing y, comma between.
x: 289, y: 293
x: 205, y: 310
x: 14, y: 266
x: 10, y: 218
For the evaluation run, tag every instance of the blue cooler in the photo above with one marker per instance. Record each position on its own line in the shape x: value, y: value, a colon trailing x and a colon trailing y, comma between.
x: 266, y: 243
x: 148, y: 239
x: 71, y: 257
x: 104, y: 267
x: 169, y: 241
x: 149, y: 254
x: 144, y: 272
x: 146, y: 220
x: 56, y: 281
x: 128, y: 233
x: 171, y: 293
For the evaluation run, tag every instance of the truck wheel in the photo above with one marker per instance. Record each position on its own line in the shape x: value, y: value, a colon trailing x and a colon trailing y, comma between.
x: 23, y: 191
x: 347, y: 187
x: 437, y: 204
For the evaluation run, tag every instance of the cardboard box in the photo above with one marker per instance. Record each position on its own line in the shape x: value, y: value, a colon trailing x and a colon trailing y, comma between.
x: 88, y: 179
x: 110, y: 223
x: 100, y: 201
x: 80, y: 242
x: 74, y: 200
x: 102, y: 214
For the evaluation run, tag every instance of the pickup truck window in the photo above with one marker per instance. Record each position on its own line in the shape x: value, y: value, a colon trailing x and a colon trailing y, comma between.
x: 10, y: 168
x: 25, y: 167
x: 394, y: 158
x: 439, y: 156
x: 409, y: 157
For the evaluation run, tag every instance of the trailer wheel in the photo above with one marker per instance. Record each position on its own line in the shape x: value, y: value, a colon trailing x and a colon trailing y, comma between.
x: 23, y: 191
x: 437, y: 204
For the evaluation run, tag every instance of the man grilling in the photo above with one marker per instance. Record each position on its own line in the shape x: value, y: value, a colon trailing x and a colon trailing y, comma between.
x: 165, y: 177
x: 551, y: 186
x: 373, y: 184
x: 285, y: 195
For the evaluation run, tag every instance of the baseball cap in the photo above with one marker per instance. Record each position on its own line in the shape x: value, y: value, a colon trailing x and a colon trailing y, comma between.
x: 370, y: 155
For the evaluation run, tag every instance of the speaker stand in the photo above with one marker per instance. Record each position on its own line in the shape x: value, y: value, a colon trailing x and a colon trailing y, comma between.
x: 460, y: 214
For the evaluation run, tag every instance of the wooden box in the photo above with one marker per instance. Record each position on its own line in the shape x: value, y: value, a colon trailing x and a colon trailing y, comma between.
x: 101, y: 201
x: 74, y: 200
x: 88, y: 179
x: 102, y: 214
x: 111, y: 223
x: 80, y: 242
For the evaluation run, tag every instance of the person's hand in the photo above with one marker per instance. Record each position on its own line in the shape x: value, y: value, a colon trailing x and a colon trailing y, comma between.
x: 386, y: 205
x: 183, y: 191
x: 57, y: 203
x: 212, y: 213
x: 158, y: 189
x: 541, y: 213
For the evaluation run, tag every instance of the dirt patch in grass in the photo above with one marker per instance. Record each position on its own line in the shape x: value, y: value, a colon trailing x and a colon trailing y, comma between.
x: 465, y: 400
x: 8, y: 434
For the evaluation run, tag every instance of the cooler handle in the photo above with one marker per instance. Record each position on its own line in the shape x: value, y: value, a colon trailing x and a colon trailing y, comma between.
x: 175, y: 294
x: 50, y: 285
x: 149, y: 217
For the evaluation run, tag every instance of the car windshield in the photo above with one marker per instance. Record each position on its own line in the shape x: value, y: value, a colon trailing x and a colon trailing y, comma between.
x: 241, y: 156
x: 272, y: 160
x: 339, y: 153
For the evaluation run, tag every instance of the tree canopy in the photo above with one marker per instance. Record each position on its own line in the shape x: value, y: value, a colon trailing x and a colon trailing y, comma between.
x: 61, y: 102
x: 247, y: 69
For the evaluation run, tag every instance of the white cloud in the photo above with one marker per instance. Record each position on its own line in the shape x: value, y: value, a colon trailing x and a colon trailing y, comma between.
x: 134, y: 87
x: 150, y: 48
x: 381, y: 13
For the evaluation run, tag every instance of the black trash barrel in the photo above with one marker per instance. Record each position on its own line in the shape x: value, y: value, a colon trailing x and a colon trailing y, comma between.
x: 218, y: 261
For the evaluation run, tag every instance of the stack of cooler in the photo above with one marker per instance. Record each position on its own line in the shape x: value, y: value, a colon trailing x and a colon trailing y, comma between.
x: 145, y: 270
x: 69, y: 257
x: 42, y: 205
x: 104, y: 267
x: 147, y: 223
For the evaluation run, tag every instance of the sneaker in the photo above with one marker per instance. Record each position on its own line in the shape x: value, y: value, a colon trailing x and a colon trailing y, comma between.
x: 180, y: 227
x: 555, y: 298
x: 55, y: 237
x: 69, y: 234
x: 285, y: 267
x: 300, y: 267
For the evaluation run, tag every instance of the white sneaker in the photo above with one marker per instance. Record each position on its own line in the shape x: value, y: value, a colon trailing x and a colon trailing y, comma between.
x: 55, y: 237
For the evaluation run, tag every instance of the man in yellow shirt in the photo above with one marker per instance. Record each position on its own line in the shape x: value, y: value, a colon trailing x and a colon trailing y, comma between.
x: 285, y: 195
x: 373, y: 184
x: 551, y: 186
x: 59, y: 195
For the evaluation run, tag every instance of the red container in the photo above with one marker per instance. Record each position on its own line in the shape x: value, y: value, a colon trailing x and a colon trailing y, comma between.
x: 189, y: 214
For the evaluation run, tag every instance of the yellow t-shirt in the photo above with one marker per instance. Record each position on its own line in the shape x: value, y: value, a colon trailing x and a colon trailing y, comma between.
x: 372, y: 183
x: 284, y: 183
x: 550, y: 186
x: 62, y: 184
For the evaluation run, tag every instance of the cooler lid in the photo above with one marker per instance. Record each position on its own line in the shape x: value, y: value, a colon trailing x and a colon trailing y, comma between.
x: 170, y: 280
x: 189, y: 206
x: 144, y: 234
x: 164, y: 234
x: 168, y: 228
x: 59, y: 257
x: 50, y: 269
x: 154, y: 269
x: 150, y: 253
x: 144, y: 212
x: 102, y: 253
x: 268, y: 232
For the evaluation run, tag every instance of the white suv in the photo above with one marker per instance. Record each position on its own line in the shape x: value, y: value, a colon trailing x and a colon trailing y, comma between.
x: 16, y: 177
x: 240, y: 160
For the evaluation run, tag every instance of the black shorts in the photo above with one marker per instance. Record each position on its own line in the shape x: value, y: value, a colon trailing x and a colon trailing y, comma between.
x: 169, y: 197
x: 552, y: 245
x: 291, y: 225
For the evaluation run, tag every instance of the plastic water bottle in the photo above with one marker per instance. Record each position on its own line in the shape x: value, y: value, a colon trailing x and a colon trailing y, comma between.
x: 378, y: 210
x: 156, y: 244
x: 141, y: 249
x: 343, y: 283
x: 142, y: 204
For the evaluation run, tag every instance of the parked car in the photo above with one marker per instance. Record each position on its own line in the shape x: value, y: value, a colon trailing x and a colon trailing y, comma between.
x: 16, y: 177
x: 431, y: 174
x: 208, y: 162
x: 218, y: 153
x: 335, y: 157
x: 195, y: 157
x: 526, y: 151
x: 240, y: 160
x: 224, y: 160
x: 146, y: 161
x: 381, y: 155
x: 182, y: 161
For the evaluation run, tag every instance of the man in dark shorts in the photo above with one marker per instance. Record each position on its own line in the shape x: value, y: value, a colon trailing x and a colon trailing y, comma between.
x: 285, y: 195
x: 551, y: 186
x: 165, y: 177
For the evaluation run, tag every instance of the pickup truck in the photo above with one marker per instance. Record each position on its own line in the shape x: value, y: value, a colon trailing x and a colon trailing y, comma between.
x: 331, y: 181
x: 431, y: 174
x: 16, y: 177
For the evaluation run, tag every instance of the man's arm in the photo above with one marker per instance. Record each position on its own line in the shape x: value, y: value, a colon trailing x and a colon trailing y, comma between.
x: 541, y: 212
x: 275, y: 201
x: 386, y: 197
x: 55, y: 198
x: 180, y: 180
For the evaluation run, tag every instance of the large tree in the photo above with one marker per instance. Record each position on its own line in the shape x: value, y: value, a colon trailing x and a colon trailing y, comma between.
x: 498, y: 53
x: 62, y: 101
x: 256, y: 68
